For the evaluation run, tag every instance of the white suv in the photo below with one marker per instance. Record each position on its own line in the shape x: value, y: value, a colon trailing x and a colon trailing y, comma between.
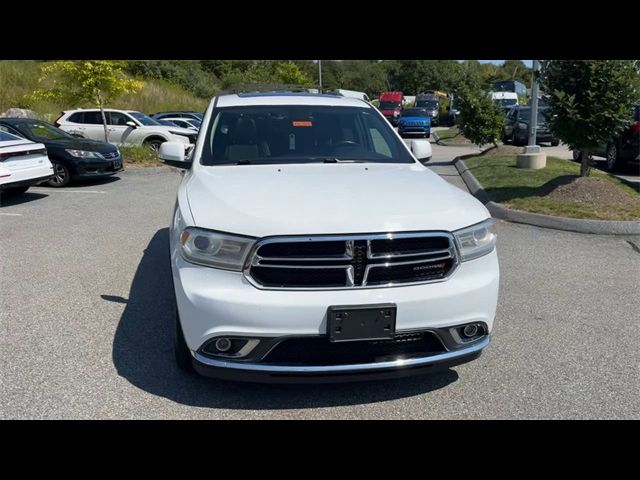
x: 124, y: 126
x: 309, y: 243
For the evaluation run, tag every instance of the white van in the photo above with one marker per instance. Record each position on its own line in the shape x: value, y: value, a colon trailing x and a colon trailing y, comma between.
x: 506, y: 100
x: 353, y: 94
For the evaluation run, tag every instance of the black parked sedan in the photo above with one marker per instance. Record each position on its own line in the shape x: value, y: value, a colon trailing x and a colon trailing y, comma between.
x: 72, y: 157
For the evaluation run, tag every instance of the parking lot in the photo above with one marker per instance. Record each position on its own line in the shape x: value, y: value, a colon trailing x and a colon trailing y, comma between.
x: 87, y: 309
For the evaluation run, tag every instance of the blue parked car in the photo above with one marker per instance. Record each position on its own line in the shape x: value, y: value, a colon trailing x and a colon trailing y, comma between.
x: 415, y: 121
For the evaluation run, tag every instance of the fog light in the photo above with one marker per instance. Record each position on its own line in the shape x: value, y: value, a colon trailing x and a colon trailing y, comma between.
x: 470, y: 330
x: 223, y: 344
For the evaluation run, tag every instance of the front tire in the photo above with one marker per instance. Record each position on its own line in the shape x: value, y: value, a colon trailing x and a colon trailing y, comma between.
x: 555, y: 143
x: 153, y: 144
x: 181, y: 350
x: 61, y: 175
x: 612, y: 157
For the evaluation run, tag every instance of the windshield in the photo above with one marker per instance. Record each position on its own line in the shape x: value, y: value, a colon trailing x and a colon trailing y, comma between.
x: 300, y: 134
x: 144, y: 119
x: 524, y: 114
x: 415, y: 112
x: 42, y: 132
x: 505, y: 102
x: 195, y: 123
x: 389, y: 105
x: 429, y: 104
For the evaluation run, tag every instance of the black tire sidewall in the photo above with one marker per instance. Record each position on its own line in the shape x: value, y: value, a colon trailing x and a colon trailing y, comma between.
x: 67, y: 175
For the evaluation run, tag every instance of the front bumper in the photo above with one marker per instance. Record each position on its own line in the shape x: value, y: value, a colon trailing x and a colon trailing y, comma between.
x: 256, y: 372
x: 213, y: 303
x: 414, y: 130
x: 98, y: 168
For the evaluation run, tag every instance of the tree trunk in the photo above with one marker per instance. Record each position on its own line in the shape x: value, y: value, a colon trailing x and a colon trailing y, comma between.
x: 104, y: 119
x: 585, y: 165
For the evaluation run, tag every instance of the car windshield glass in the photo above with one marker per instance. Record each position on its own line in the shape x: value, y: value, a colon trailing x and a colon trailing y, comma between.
x: 524, y: 114
x: 430, y: 104
x: 300, y: 134
x: 143, y: 119
x: 195, y: 123
x: 42, y: 131
x: 415, y: 112
x: 505, y: 102
x: 389, y: 105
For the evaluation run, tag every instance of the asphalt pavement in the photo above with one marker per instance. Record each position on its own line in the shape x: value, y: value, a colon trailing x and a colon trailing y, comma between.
x: 86, y: 313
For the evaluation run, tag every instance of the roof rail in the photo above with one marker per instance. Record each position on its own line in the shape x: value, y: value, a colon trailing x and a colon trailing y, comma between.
x: 267, y: 88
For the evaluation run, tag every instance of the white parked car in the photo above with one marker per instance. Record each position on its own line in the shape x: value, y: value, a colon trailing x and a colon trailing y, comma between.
x: 309, y: 243
x: 22, y: 163
x: 126, y: 127
x: 188, y: 123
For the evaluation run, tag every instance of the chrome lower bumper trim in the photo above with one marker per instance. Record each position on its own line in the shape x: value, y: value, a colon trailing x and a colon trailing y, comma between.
x: 362, y: 367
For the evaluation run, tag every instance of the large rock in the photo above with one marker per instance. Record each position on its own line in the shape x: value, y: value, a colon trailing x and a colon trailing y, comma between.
x: 19, y: 113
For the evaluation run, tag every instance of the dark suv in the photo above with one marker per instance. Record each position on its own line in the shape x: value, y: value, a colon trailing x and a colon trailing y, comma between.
x: 516, y: 127
x: 621, y: 150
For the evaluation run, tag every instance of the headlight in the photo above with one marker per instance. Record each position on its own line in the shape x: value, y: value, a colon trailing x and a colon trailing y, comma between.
x: 214, y: 249
x: 82, y: 153
x: 396, y: 113
x: 476, y: 240
x: 521, y: 126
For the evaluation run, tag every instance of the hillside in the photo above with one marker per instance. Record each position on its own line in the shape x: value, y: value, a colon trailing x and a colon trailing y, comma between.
x: 19, y: 78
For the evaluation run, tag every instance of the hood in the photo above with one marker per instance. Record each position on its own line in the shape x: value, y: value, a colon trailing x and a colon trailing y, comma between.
x: 80, y: 144
x: 263, y: 200
x: 177, y: 130
x: 416, y: 119
x: 389, y: 113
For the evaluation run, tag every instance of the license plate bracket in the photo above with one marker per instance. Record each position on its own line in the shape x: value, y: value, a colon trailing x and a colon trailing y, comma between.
x: 351, y: 323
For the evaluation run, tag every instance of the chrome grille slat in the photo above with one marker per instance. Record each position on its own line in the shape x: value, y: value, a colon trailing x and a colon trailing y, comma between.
x: 358, y: 262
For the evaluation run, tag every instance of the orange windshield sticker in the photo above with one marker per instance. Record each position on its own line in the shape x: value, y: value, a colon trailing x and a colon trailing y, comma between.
x: 302, y: 124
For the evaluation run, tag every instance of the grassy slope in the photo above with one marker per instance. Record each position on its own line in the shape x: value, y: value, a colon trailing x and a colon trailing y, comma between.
x: 18, y: 78
x: 517, y: 188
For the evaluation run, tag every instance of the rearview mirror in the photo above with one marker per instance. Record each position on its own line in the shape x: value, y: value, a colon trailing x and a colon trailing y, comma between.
x: 421, y: 149
x: 173, y: 154
x: 132, y: 124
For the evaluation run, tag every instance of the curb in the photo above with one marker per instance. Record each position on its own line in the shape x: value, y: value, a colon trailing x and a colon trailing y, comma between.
x: 599, y: 227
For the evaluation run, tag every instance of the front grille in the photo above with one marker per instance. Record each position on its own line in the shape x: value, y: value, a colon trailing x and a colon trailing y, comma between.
x: 351, y: 261
x: 110, y: 155
x: 319, y: 351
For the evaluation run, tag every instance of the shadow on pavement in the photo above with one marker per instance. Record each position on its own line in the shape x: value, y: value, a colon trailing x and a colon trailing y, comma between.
x: 19, y: 199
x: 143, y: 354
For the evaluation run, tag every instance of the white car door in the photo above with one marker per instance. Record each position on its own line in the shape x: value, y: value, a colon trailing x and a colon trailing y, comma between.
x: 118, y: 128
x: 93, y: 126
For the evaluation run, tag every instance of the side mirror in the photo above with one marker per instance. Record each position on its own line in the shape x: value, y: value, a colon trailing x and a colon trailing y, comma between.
x: 131, y: 124
x: 173, y: 154
x: 421, y: 149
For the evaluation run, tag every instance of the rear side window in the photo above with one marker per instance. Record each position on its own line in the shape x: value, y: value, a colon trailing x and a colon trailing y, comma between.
x: 93, y: 118
x: 77, y: 117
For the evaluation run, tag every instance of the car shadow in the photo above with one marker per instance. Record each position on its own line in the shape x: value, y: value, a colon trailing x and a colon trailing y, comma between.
x: 19, y: 199
x: 87, y: 182
x: 143, y: 354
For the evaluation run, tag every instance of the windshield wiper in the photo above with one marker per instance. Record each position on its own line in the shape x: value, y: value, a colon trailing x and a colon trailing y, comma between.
x: 339, y: 160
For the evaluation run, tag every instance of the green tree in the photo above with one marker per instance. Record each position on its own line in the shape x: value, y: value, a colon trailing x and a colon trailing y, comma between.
x: 85, y: 81
x: 290, y: 73
x: 590, y: 101
x: 481, y: 121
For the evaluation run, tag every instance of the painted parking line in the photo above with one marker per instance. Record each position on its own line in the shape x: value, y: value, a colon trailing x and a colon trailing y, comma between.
x: 11, y: 214
x: 47, y: 190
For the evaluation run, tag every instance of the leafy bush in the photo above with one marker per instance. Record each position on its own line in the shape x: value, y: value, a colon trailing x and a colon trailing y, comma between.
x: 481, y: 121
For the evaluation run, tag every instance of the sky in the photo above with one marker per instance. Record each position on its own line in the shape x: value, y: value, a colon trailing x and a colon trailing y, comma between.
x: 528, y: 63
